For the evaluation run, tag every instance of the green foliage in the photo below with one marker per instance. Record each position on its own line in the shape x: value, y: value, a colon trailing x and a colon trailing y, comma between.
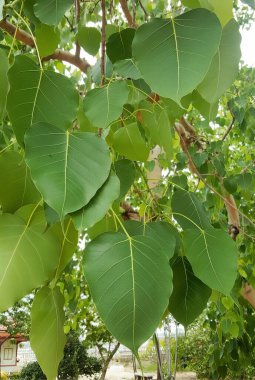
x: 158, y: 131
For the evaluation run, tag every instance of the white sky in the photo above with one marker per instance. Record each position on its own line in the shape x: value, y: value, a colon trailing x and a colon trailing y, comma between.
x: 248, y: 46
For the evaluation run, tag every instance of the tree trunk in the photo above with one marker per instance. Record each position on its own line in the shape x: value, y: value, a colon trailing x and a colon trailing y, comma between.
x: 107, y: 361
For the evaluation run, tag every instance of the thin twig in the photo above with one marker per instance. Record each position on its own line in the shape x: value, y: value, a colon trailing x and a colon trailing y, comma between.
x: 144, y: 10
x: 103, y: 42
x: 127, y: 13
x: 229, y: 129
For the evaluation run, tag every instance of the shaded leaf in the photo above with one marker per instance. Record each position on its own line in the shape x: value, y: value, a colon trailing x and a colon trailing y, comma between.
x: 189, y: 296
x: 99, y: 204
x: 50, y: 12
x: 126, y: 172
x: 128, y: 142
x: 4, y: 84
x: 136, y: 277
x: 47, y: 330
x: 127, y: 69
x: 213, y: 257
x: 62, y: 167
x: 119, y: 45
x: 17, y: 188
x: 104, y: 105
x: 225, y: 64
x: 36, y: 95
x: 184, y: 46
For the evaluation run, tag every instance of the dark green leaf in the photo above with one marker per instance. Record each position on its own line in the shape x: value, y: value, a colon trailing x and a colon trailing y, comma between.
x: 50, y: 12
x: 126, y: 172
x: 4, y: 84
x: 119, y: 45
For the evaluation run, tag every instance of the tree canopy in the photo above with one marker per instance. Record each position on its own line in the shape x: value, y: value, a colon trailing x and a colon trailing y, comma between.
x: 127, y: 124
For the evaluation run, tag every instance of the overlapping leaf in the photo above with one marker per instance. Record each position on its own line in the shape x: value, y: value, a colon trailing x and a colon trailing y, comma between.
x: 213, y: 257
x: 89, y: 38
x: 47, y: 39
x: 104, y: 105
x: 28, y: 256
x: 224, y: 67
x: 184, y: 46
x: 130, y: 281
x: 119, y: 45
x: 126, y: 172
x: 51, y: 11
x: 63, y: 166
x: 189, y: 296
x: 4, y: 84
x: 37, y: 95
x: 17, y: 188
x: 47, y: 330
x: 99, y: 205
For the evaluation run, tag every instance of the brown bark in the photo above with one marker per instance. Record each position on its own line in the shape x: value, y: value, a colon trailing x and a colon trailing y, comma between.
x: 107, y: 360
x: 59, y: 55
x: 130, y: 20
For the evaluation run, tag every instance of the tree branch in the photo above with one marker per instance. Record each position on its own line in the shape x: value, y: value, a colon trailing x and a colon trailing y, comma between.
x: 127, y: 14
x: 103, y: 42
x: 59, y: 55
x: 229, y: 129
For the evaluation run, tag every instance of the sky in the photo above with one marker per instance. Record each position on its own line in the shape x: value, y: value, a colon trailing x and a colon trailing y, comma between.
x: 248, y: 46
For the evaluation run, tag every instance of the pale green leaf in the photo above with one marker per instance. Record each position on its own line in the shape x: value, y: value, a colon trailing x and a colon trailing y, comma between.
x: 104, y: 105
x: 222, y: 9
x: 213, y: 257
x: 4, y: 84
x: 127, y: 69
x: 28, y: 257
x: 189, y: 211
x: 119, y: 45
x: 50, y: 12
x: 128, y: 142
x: 17, y: 188
x: 63, y: 166
x: 189, y: 296
x: 184, y: 46
x: 99, y: 204
x: 37, y: 95
x: 47, y: 39
x: 208, y: 110
x: 68, y: 240
x: 130, y: 282
x: 47, y: 330
x: 225, y: 65
x: 89, y: 38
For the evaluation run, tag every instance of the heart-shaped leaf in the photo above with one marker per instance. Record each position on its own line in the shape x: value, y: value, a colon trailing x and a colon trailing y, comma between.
x: 37, y: 95
x: 50, y: 12
x: 130, y: 281
x: 89, y: 38
x: 62, y: 167
x: 184, y: 46
x: 47, y: 330
x: 119, y: 45
x: 189, y: 296
x: 213, y: 257
x: 104, y: 105
x: 28, y: 257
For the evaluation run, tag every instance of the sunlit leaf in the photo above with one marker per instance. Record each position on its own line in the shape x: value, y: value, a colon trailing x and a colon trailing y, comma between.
x: 47, y: 39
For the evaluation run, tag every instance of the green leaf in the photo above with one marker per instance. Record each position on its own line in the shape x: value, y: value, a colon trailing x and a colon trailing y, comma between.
x: 161, y: 232
x: 184, y: 46
x: 99, y: 205
x: 62, y: 167
x: 17, y: 188
x: 89, y: 38
x: 36, y: 95
x: 47, y: 39
x: 156, y: 122
x: 127, y: 69
x: 128, y: 142
x: 213, y: 257
x: 96, y: 70
x: 119, y: 45
x: 191, y: 3
x: 130, y: 282
x: 104, y: 105
x: 222, y: 9
x: 4, y: 84
x: 126, y: 172
x: 28, y: 257
x: 107, y: 224
x: 189, y: 296
x: 50, y: 12
x: 189, y: 211
x: 68, y: 240
x: 47, y: 330
x: 208, y: 110
x: 225, y: 64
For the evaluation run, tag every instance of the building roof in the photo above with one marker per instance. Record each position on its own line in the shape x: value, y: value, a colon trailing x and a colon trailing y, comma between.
x: 4, y: 335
